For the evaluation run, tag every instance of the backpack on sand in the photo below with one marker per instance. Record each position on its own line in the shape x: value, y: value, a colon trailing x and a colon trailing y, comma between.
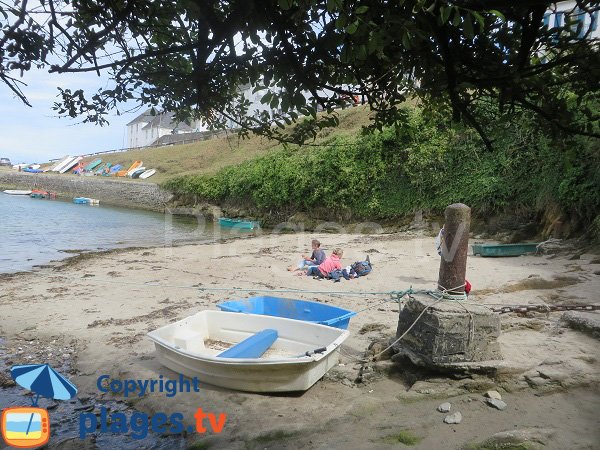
x: 362, y: 268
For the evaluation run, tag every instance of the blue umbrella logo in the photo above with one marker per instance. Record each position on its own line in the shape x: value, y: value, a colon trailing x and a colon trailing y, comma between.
x: 44, y: 381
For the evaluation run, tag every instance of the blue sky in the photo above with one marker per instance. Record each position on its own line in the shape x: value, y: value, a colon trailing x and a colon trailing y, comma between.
x: 37, y: 134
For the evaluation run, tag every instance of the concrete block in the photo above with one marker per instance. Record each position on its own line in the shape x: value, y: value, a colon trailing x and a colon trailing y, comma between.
x: 448, y: 332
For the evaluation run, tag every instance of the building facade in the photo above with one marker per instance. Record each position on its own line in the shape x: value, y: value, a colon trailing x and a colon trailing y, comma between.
x: 146, y: 129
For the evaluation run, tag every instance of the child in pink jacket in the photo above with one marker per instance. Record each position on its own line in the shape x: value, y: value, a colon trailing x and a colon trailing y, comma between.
x: 329, y: 265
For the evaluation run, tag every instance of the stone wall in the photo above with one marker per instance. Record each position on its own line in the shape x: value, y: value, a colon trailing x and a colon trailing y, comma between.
x: 131, y: 194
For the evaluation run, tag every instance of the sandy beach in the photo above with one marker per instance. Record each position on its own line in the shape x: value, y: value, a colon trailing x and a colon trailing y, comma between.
x: 95, y: 311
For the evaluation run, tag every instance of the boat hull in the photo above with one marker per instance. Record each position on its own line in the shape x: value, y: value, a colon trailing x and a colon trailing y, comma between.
x: 238, y: 223
x: 500, y: 250
x: 16, y: 192
x: 70, y: 164
x: 180, y: 347
x: 147, y: 174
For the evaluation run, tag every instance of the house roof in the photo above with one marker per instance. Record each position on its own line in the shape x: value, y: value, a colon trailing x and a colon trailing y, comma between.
x: 146, y: 116
x: 166, y: 120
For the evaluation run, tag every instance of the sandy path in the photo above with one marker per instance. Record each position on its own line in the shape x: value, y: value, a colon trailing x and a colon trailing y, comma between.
x: 107, y: 304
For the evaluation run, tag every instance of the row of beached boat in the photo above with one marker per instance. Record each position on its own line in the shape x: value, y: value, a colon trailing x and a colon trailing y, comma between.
x: 96, y: 167
x: 38, y: 193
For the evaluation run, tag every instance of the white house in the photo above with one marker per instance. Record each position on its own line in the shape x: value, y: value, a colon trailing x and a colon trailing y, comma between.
x: 146, y: 128
x: 587, y: 24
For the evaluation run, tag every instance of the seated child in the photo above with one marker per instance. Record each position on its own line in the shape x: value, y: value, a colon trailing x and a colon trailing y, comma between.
x: 316, y: 258
x: 329, y: 265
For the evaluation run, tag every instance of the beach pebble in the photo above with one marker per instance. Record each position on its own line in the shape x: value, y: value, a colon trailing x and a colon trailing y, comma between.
x: 84, y: 408
x: 498, y: 404
x: 493, y: 394
x: 6, y: 381
x: 444, y: 407
x: 453, y: 418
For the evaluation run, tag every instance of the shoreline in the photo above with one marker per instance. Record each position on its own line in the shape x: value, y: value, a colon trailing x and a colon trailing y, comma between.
x: 105, y: 323
x: 77, y: 256
x: 109, y: 190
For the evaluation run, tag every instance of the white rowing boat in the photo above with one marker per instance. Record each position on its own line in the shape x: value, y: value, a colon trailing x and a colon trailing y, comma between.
x: 191, y: 347
x: 147, y: 174
x: 16, y: 192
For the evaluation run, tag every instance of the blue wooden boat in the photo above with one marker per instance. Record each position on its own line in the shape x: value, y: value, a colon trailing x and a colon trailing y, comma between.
x: 113, y: 170
x: 304, y: 310
x: 495, y: 250
x: 81, y: 200
x: 238, y: 223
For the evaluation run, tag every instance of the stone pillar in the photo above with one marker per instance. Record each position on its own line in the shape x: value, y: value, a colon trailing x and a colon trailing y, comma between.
x: 445, y: 334
x: 455, y: 246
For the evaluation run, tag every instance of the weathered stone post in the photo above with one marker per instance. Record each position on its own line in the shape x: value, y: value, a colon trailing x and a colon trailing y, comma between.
x: 441, y: 332
x: 455, y: 246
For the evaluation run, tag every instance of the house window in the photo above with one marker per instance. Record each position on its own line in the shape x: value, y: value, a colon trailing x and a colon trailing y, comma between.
x: 578, y: 20
x: 558, y: 19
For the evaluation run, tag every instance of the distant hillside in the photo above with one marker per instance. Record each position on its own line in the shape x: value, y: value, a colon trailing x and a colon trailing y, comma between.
x: 207, y: 157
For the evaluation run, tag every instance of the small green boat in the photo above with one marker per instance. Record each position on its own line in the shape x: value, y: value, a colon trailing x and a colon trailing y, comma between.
x: 238, y: 223
x: 504, y: 249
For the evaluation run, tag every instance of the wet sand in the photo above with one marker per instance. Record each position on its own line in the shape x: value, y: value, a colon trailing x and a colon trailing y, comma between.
x: 101, y: 307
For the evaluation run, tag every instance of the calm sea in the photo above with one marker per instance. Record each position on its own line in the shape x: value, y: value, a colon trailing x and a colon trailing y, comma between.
x: 37, y: 231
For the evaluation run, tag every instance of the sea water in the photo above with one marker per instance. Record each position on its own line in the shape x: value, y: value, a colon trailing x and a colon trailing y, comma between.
x: 37, y: 231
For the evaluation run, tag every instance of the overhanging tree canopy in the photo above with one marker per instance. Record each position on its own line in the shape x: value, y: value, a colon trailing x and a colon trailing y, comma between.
x: 192, y: 56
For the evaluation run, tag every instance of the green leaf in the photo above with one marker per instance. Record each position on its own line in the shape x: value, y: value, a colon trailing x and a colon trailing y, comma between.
x: 468, y: 27
x: 479, y: 18
x: 333, y: 5
x: 340, y: 22
x: 406, y: 40
x: 266, y: 98
x: 344, y: 54
x: 498, y: 14
x: 361, y: 52
x: 456, y: 19
x: 285, y: 4
x: 274, y: 102
x: 362, y: 9
x: 445, y: 13
x: 351, y: 29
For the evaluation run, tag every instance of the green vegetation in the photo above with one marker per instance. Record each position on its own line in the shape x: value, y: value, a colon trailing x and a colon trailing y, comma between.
x: 420, y: 164
x: 270, y: 437
x: 404, y: 437
x: 199, y: 445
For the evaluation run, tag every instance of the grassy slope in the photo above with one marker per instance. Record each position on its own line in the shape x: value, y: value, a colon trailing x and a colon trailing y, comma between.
x: 206, y: 157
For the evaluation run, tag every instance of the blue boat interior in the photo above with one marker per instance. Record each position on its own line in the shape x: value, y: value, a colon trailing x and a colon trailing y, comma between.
x: 291, y: 309
x: 252, y: 347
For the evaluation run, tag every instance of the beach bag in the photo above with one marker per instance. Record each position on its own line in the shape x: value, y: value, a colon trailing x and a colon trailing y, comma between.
x: 362, y: 268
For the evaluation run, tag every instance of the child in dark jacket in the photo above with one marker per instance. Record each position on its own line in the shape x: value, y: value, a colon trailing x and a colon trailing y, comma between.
x: 315, y: 259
